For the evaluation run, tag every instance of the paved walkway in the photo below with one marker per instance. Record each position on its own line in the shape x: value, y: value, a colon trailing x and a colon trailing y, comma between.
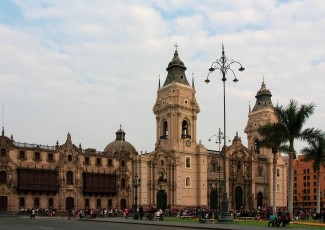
x: 229, y: 226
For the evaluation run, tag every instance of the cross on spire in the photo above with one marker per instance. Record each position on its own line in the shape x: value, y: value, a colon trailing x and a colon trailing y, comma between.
x: 176, y: 46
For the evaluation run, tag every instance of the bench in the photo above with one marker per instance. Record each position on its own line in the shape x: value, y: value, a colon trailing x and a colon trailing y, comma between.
x: 246, y: 218
x: 207, y: 221
x: 186, y: 217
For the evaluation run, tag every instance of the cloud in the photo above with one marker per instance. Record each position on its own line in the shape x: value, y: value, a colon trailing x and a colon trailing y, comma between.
x: 88, y: 66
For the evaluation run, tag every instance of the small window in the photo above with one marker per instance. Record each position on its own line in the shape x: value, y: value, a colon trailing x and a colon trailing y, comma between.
x: 87, y: 161
x: 278, y: 172
x: 98, y: 161
x: 122, y: 164
x: 3, y: 152
x: 278, y: 188
x: 22, y: 202
x: 187, y: 182
x: 3, y: 177
x: 50, y: 157
x: 22, y: 155
x: 37, y: 156
x: 69, y: 158
x: 162, y: 162
x: 187, y: 162
x: 110, y: 162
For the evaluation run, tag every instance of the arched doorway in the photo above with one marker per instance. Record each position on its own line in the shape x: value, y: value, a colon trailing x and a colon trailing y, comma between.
x: 162, y: 200
x: 238, y: 198
x: 69, y: 203
x: 259, y: 200
x: 123, y: 204
x: 3, y: 203
x: 214, y: 199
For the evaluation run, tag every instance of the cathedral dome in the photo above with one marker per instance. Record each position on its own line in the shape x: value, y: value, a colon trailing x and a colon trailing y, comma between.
x: 119, y: 144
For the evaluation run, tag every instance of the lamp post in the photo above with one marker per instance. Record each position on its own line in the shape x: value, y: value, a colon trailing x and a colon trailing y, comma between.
x: 219, y: 137
x: 136, y: 183
x: 223, y: 64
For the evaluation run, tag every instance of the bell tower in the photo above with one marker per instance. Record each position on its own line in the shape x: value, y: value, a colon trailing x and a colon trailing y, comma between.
x: 176, y: 108
x: 262, y: 113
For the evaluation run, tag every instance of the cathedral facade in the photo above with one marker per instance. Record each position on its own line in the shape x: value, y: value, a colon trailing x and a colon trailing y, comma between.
x: 179, y: 173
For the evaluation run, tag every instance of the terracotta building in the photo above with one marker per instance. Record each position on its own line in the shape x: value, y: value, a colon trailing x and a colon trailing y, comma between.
x: 304, y: 187
x: 179, y: 173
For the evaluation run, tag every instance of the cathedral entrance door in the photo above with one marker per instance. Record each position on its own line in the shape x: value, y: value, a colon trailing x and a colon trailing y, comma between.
x: 3, y: 203
x: 123, y: 204
x: 214, y: 199
x: 69, y: 203
x: 161, y: 200
x: 238, y: 198
x: 259, y: 200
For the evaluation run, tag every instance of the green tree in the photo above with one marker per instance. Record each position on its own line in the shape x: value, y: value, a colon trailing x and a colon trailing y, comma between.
x: 315, y: 153
x: 272, y: 140
x: 289, y: 126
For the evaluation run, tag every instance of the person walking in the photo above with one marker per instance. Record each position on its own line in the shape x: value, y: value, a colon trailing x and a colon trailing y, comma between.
x: 126, y: 211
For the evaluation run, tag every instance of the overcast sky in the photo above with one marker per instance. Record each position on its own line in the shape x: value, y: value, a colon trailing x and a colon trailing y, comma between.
x: 85, y: 67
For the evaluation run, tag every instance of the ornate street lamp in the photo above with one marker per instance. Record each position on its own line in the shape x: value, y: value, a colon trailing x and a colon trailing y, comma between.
x: 223, y: 64
x: 136, y: 183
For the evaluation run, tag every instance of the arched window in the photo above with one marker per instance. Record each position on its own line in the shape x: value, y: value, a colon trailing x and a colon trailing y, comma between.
x: 123, y: 183
x: 69, y: 178
x: 278, y: 172
x: 257, y: 146
x: 185, y: 133
x: 187, y: 182
x: 165, y: 130
x: 122, y: 163
x: 3, y: 177
x: 3, y: 152
x: 278, y: 188
x: 69, y: 158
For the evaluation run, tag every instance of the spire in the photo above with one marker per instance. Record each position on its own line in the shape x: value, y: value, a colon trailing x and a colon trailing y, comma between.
x: 193, y: 86
x: 263, y: 98
x: 176, y: 70
x: 159, y: 82
x: 3, y: 131
x: 249, y: 107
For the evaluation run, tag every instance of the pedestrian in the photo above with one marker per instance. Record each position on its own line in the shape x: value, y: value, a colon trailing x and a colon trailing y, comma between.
x: 126, y: 211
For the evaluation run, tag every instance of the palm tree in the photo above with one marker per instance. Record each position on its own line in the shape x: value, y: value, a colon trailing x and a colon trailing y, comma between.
x: 275, y: 142
x: 315, y: 152
x: 290, y: 121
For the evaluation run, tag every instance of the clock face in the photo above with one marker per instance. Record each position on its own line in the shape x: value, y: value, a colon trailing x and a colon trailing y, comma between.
x: 188, y: 143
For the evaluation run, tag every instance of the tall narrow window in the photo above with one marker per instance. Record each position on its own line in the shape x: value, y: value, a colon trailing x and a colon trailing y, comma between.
x: 69, y: 178
x: 257, y: 146
x: 187, y: 182
x: 3, y: 177
x: 185, y: 133
x: 22, y: 155
x: 3, y: 152
x: 278, y: 172
x: 37, y: 156
x: 165, y: 130
x: 187, y: 162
